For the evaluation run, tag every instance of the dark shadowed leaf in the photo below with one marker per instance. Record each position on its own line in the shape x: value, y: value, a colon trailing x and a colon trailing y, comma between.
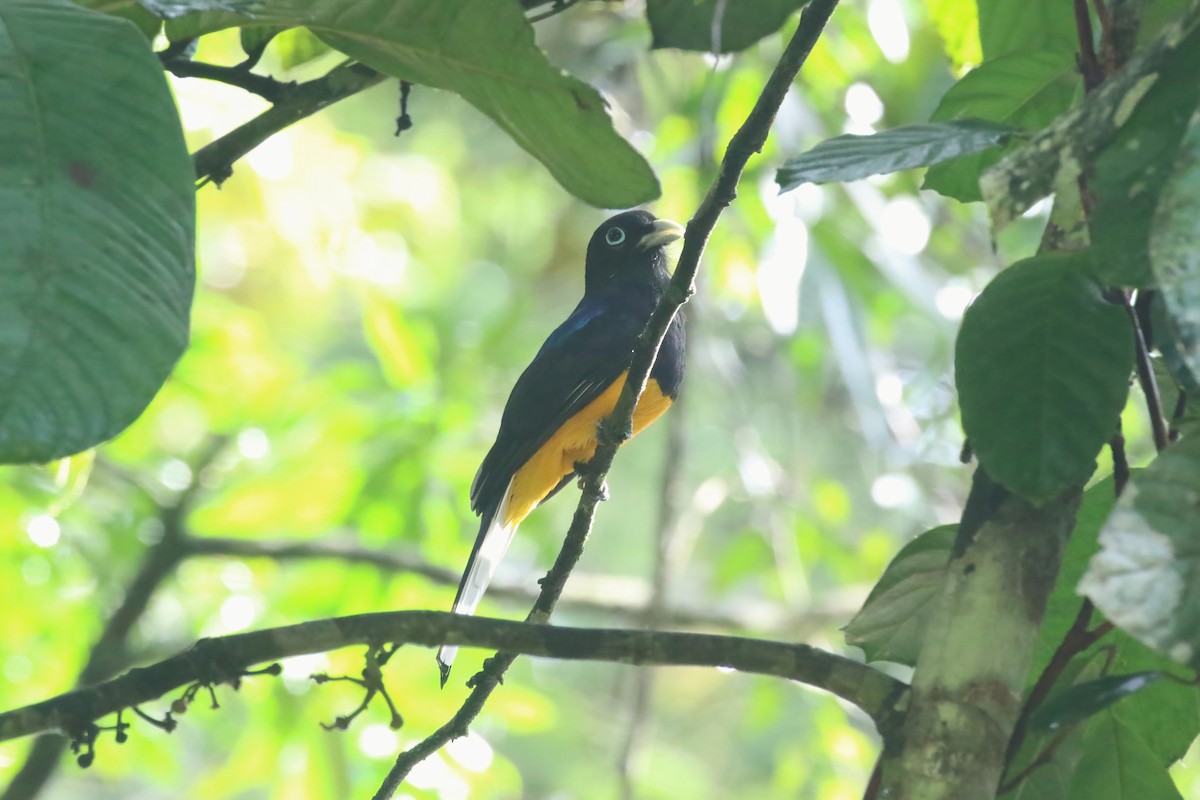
x: 96, y: 221
x: 1026, y: 90
x: 891, y: 624
x: 850, y: 157
x: 1079, y: 702
x: 715, y: 26
x: 1145, y: 577
x: 1042, y: 367
x: 147, y: 22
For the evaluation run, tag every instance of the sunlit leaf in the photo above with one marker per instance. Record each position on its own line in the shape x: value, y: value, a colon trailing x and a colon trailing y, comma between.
x: 957, y: 22
x: 96, y: 220
x: 850, y: 157
x: 715, y: 26
x: 254, y: 40
x: 1026, y: 90
x: 1042, y: 367
x: 1145, y: 576
x: 891, y: 624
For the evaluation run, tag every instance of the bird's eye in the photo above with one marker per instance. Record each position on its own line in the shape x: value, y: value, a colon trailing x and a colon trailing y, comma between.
x: 615, y: 236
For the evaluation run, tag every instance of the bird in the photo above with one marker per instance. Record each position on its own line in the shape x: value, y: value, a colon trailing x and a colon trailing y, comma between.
x: 549, y: 422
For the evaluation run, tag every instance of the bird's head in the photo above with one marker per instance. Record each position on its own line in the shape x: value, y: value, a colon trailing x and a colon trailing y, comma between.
x: 630, y: 246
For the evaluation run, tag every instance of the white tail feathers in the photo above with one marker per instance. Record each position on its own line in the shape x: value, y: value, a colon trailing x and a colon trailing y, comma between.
x: 480, y: 569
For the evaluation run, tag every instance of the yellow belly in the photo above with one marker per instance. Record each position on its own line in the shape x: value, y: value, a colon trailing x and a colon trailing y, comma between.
x: 574, y: 442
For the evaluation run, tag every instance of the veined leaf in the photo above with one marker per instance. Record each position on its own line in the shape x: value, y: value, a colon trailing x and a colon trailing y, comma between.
x: 97, y: 223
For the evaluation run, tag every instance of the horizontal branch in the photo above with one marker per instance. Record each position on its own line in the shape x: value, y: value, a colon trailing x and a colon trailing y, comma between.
x: 228, y: 658
x: 588, y: 592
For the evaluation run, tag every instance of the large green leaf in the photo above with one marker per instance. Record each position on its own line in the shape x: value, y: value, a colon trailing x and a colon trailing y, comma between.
x: 891, y: 624
x: 1166, y: 714
x: 716, y: 26
x: 1174, y: 250
x: 484, y: 51
x: 1127, y: 179
x: 1117, y: 764
x: 96, y: 226
x: 1026, y: 90
x: 1042, y: 367
x: 131, y: 10
x: 1145, y: 577
x: 850, y: 157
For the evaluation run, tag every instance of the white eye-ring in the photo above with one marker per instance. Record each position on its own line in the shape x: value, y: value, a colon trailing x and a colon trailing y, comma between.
x: 615, y: 236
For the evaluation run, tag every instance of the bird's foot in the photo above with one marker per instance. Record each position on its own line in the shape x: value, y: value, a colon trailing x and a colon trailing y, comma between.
x: 587, y: 479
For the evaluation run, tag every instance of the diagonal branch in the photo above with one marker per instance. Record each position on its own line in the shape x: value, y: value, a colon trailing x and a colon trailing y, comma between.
x: 617, y: 427
x: 229, y: 658
x: 214, y: 161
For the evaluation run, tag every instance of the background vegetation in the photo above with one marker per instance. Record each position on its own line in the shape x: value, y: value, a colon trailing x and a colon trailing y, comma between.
x: 364, y: 300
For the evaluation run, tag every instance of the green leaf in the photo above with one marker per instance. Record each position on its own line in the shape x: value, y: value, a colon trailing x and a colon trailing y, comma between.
x: 298, y: 46
x: 1042, y: 368
x: 1118, y: 765
x: 1166, y: 714
x: 1145, y: 577
x: 1006, y: 28
x: 695, y: 24
x: 131, y: 10
x: 1026, y: 90
x: 1065, y: 601
x: 850, y: 157
x: 1127, y: 179
x: 255, y: 40
x: 485, y: 52
x: 1083, y: 700
x: 1174, y: 250
x: 97, y: 223
x: 891, y: 624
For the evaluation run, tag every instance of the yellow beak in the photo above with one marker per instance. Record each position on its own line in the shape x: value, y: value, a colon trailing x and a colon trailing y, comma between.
x: 663, y: 231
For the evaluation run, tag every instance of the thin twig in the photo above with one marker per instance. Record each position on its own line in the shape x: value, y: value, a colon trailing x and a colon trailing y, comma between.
x: 1089, y: 64
x: 616, y: 428
x: 264, y: 86
x: 558, y: 7
x: 1146, y: 379
x: 229, y: 658
x: 594, y: 593
x: 214, y: 161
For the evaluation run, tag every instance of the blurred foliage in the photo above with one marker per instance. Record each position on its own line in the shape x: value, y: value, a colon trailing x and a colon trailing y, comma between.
x: 365, y: 302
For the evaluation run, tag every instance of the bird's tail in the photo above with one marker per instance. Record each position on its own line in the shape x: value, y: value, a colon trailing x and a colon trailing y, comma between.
x: 490, y: 545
